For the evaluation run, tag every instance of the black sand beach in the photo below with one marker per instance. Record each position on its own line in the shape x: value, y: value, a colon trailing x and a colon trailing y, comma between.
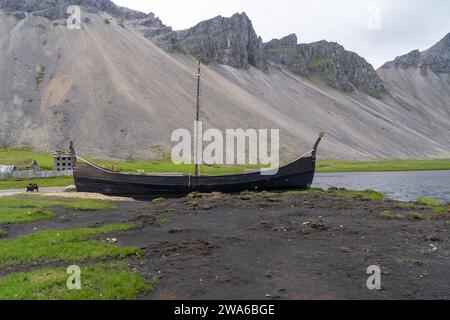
x: 291, y: 245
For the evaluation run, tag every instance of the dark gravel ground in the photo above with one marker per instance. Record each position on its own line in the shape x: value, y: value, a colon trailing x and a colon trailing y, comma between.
x: 313, y: 245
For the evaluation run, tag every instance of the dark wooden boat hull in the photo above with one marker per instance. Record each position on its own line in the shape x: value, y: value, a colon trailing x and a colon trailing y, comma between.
x: 89, y: 178
x: 95, y: 179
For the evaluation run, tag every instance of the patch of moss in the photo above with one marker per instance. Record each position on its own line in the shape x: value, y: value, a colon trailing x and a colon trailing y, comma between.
x: 439, y: 210
x: 165, y: 220
x: 40, y: 75
x: 319, y: 64
x: 194, y: 203
x: 415, y: 215
x: 429, y: 202
x: 158, y: 200
x: 194, y: 195
x: 63, y: 122
x: 390, y: 215
x: 296, y: 192
x: 406, y: 205
x: 367, y: 195
x: 267, y: 194
x: 412, y: 262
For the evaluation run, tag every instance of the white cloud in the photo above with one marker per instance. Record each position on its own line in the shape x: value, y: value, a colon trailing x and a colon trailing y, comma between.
x: 405, y: 24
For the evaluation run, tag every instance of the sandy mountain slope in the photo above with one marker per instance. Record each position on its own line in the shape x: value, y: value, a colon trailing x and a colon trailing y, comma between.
x: 117, y: 95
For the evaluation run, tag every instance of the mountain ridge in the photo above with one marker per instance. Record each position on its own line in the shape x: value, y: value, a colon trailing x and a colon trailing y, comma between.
x: 116, y: 93
x: 436, y: 59
x: 227, y: 40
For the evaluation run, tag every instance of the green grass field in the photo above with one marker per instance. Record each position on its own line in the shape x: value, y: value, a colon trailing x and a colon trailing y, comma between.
x: 10, y: 184
x: 23, y: 158
x: 383, y: 165
x: 112, y: 280
x: 66, y: 245
x: 169, y: 167
x: 29, y: 208
x: 98, y: 282
x: 34, y: 265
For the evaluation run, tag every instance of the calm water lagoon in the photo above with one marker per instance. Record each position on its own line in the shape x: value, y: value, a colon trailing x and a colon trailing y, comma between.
x: 404, y: 186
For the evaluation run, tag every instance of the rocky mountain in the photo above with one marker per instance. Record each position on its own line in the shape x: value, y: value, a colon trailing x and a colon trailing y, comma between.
x: 285, y: 52
x: 125, y: 81
x: 230, y: 41
x: 233, y: 41
x: 435, y: 59
x: 56, y: 9
x: 420, y: 83
x: 342, y: 69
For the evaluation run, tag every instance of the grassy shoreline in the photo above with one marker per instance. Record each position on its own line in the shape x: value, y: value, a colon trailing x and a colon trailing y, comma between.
x: 326, y: 166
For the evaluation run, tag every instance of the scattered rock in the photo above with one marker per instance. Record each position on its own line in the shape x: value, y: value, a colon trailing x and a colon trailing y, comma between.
x: 434, y: 238
x: 112, y: 240
x: 319, y: 225
x: 20, y: 15
x: 345, y: 249
x: 175, y: 230
x: 55, y: 10
x: 433, y: 247
x: 70, y: 189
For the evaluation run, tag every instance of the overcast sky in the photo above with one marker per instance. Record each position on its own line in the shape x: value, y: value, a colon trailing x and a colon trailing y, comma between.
x: 378, y: 30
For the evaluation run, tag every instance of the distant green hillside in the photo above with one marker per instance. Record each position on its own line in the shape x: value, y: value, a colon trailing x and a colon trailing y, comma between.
x: 22, y: 159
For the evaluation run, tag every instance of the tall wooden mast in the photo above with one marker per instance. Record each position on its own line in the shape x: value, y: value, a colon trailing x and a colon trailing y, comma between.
x: 197, y: 119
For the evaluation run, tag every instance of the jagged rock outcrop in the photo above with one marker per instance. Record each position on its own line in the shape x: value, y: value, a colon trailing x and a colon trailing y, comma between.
x: 57, y: 9
x: 411, y: 59
x: 436, y: 59
x: 285, y: 52
x: 329, y: 61
x: 230, y: 41
x: 151, y: 26
x: 54, y: 10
